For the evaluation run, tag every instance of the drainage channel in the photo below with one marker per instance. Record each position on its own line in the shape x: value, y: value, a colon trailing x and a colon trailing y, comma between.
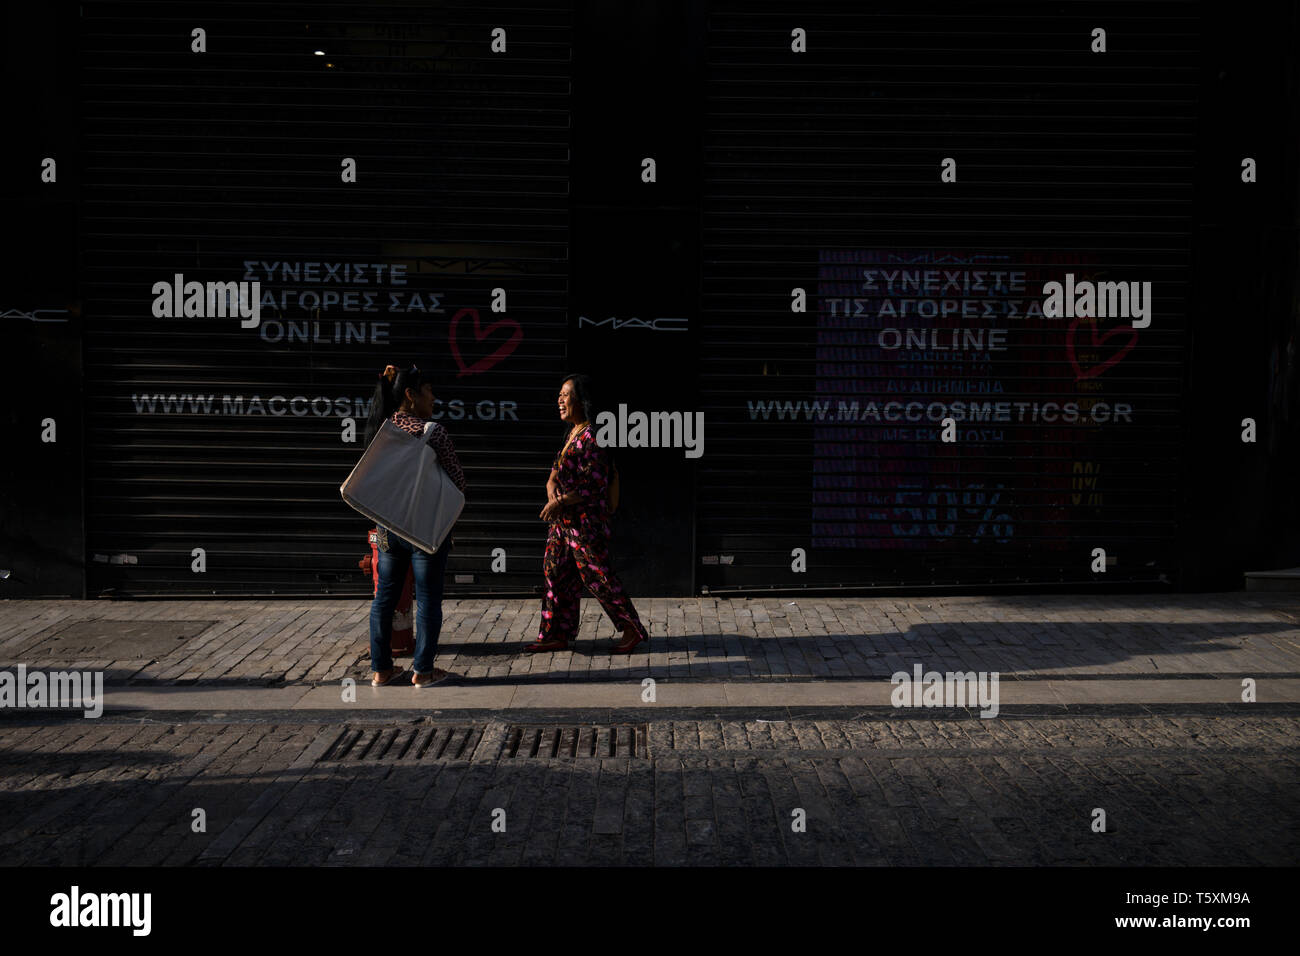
x: 379, y: 744
x: 547, y: 741
x: 376, y: 744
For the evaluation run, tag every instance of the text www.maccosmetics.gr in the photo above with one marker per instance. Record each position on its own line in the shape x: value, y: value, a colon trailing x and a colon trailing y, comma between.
x: 322, y: 406
x: 844, y: 411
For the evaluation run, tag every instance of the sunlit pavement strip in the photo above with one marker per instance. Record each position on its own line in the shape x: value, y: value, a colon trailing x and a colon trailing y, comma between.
x: 1055, y: 651
x: 261, y: 644
x: 668, y: 694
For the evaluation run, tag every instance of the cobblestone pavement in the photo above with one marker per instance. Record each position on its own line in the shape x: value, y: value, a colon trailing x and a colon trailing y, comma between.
x: 696, y: 638
x: 1194, y: 788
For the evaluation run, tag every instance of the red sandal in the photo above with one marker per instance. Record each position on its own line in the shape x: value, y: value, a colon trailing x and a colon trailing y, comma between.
x: 548, y: 646
x: 629, y: 644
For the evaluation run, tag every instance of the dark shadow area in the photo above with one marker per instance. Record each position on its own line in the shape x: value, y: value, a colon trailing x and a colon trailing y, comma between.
x: 1041, y: 648
x: 876, y: 792
x: 25, y: 761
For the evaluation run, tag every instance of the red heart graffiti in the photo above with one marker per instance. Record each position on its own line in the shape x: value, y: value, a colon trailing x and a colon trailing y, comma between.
x: 483, y: 364
x: 1079, y: 374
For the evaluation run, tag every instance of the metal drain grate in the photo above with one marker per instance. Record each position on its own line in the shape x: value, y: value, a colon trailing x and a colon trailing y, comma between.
x: 390, y: 744
x: 581, y: 740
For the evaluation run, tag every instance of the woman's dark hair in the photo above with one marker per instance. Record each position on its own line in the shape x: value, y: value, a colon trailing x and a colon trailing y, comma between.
x: 584, y: 394
x: 389, y: 396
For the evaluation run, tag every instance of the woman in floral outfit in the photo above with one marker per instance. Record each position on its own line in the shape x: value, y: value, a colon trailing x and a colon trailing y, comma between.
x: 577, y: 547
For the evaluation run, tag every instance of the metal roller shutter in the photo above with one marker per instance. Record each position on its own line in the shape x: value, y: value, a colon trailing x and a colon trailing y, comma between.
x: 225, y: 166
x: 823, y: 173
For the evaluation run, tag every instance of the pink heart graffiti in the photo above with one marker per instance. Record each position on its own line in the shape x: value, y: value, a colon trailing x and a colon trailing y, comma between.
x: 483, y: 364
x: 1096, y: 370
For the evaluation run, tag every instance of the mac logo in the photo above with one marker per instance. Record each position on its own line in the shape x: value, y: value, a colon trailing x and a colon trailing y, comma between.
x: 654, y: 325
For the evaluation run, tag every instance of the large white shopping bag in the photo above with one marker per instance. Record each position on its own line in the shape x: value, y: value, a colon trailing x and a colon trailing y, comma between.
x: 399, y: 484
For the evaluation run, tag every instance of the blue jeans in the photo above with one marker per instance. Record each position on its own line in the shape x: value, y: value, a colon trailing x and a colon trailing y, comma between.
x: 428, y: 572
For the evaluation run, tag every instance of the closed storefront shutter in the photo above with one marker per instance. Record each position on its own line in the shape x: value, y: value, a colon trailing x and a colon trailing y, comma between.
x: 380, y: 172
x: 922, y: 174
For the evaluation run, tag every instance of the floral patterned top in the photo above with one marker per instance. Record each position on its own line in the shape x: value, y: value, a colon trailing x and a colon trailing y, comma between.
x: 582, y: 467
x: 439, y: 440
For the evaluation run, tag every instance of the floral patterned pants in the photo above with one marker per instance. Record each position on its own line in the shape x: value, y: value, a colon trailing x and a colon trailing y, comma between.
x: 577, y: 556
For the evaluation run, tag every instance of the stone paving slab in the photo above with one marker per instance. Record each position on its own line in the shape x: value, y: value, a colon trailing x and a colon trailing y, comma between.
x: 1178, y: 789
x: 1221, y: 635
x: 629, y: 695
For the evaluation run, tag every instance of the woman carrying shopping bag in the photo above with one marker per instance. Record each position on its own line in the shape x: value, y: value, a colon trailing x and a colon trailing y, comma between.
x: 405, y: 398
